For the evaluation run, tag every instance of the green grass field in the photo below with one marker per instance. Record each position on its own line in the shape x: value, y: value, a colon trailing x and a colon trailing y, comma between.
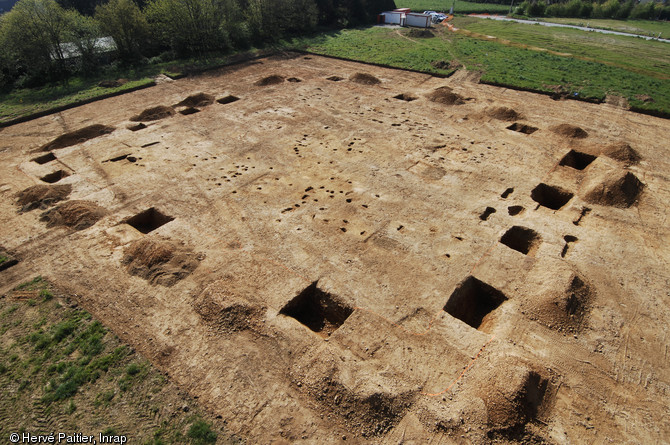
x: 642, y: 27
x: 631, y: 53
x: 61, y: 370
x: 505, y: 64
x: 28, y: 101
x: 460, y: 7
x: 22, y: 102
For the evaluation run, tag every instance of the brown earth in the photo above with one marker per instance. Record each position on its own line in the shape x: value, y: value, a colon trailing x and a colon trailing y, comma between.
x: 365, y: 79
x: 153, y: 114
x: 570, y: 131
x: 444, y: 95
x: 42, y: 196
x: 622, y: 152
x: 340, y: 262
x: 77, y: 137
x: 274, y: 79
x: 159, y: 261
x: 503, y: 114
x: 79, y: 215
x: 197, y: 100
x: 420, y: 33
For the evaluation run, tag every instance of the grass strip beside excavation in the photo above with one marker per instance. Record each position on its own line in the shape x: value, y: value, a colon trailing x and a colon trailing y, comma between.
x: 500, y: 63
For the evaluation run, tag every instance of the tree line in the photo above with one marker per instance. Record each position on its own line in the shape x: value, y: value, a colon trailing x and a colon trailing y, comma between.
x: 607, y: 9
x: 38, y: 38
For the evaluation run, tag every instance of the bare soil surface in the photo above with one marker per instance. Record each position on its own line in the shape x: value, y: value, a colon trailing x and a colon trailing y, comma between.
x: 363, y: 268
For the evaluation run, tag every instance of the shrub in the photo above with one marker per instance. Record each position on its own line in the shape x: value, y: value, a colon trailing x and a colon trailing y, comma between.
x: 201, y: 433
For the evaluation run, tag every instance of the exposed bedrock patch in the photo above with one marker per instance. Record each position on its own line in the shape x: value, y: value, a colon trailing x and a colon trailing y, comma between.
x: 570, y: 131
x: 196, y: 100
x: 503, y: 113
x: 365, y: 79
x: 77, y: 137
x: 445, y: 96
x: 225, y: 312
x: 274, y: 79
x: 76, y: 214
x: 160, y: 261
x: 153, y: 114
x: 42, y: 196
x: 620, y: 189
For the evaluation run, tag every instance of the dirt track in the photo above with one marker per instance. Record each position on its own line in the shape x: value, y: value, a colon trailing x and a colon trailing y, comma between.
x: 324, y: 260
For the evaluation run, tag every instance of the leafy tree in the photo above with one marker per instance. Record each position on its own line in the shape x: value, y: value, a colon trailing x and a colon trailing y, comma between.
x: 191, y: 26
x: 273, y: 19
x: 83, y: 36
x: 124, y: 22
x: 35, y: 30
x: 84, y: 7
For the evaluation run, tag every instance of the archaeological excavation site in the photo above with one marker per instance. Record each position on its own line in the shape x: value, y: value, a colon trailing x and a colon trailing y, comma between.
x: 323, y: 251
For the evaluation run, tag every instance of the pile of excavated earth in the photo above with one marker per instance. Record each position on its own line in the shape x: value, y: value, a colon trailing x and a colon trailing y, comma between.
x: 325, y: 251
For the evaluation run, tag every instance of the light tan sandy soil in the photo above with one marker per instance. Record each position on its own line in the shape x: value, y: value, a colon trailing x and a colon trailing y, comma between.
x: 323, y: 262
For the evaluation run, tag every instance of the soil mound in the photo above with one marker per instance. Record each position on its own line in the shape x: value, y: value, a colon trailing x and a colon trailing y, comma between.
x: 154, y: 114
x: 446, y: 65
x: 515, y: 396
x: 76, y: 214
x: 570, y: 131
x: 622, y: 152
x: 365, y: 79
x: 445, y: 96
x: 159, y: 261
x: 504, y: 114
x: 6, y: 260
x: 136, y: 127
x: 563, y: 309
x: 617, y: 191
x: 270, y: 80
x: 197, y: 100
x: 420, y: 33
x: 112, y: 83
x: 225, y: 312
x: 42, y: 196
x: 77, y: 137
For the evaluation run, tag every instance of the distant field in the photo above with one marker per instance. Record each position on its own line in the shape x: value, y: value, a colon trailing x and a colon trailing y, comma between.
x: 505, y: 64
x: 642, y: 27
x: 461, y: 7
x: 650, y: 58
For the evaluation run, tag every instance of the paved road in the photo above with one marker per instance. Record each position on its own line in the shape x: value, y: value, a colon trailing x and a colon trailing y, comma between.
x: 561, y: 25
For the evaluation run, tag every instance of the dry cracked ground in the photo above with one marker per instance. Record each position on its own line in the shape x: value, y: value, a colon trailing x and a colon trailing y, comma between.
x: 323, y: 251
